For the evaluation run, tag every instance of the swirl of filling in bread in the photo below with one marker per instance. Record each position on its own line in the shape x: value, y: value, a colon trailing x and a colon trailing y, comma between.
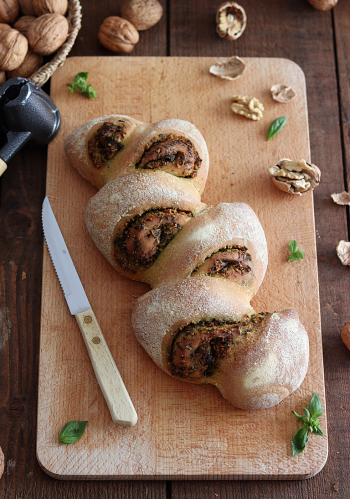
x: 146, y: 236
x: 197, y: 349
x: 175, y: 155
x: 227, y: 262
x: 106, y: 142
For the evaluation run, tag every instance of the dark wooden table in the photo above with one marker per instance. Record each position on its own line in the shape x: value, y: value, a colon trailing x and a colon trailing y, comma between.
x: 320, y: 43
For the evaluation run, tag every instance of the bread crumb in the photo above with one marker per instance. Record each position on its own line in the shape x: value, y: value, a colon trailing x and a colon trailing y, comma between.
x: 336, y: 486
x: 24, y: 276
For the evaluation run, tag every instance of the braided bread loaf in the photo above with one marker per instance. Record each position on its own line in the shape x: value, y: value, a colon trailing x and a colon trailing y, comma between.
x: 204, y: 264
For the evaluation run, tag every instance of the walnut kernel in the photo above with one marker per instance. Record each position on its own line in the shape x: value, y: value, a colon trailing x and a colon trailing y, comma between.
x: 118, y: 35
x: 143, y: 14
x: 47, y: 33
x: 231, y: 20
x: 250, y: 107
x: 295, y: 177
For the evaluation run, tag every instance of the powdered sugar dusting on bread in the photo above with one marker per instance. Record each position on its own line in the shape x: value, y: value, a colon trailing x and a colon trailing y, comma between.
x: 155, y: 313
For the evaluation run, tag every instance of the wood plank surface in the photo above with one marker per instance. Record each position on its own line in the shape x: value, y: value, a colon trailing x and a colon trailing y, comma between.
x: 167, y: 441
x: 291, y: 29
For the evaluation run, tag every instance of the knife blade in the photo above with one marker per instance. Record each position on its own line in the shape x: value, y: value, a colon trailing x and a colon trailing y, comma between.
x: 106, y: 371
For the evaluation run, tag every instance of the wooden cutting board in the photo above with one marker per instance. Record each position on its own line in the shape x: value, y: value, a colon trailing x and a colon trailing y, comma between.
x: 184, y: 431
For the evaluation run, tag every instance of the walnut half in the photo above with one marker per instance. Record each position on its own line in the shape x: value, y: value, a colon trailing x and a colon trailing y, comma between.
x: 295, y: 177
x: 231, y: 20
x: 247, y: 106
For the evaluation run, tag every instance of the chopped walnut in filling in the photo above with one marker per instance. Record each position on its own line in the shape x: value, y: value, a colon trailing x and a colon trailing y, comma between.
x: 228, y: 262
x: 146, y: 236
x: 175, y: 155
x: 198, y: 349
x: 106, y: 142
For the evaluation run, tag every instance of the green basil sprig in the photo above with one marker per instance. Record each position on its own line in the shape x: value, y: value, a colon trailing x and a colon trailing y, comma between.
x: 295, y: 253
x: 72, y: 431
x: 276, y: 126
x: 311, y: 424
x: 81, y: 85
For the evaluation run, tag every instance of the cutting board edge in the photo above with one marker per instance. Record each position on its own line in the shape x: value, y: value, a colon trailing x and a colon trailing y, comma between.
x: 245, y: 476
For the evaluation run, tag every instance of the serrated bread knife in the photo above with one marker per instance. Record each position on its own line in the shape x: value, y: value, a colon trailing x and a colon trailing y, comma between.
x: 107, y: 374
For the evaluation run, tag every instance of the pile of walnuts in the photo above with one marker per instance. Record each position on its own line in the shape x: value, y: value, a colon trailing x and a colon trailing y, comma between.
x: 29, y: 30
x: 120, y: 34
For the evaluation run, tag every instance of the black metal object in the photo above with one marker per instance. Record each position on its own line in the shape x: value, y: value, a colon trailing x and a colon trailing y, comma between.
x: 26, y: 113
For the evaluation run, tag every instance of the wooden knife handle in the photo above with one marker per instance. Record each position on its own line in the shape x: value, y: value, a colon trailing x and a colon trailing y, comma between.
x: 107, y: 374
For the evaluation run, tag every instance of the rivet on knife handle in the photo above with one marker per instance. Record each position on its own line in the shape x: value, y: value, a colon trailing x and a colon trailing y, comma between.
x: 107, y: 374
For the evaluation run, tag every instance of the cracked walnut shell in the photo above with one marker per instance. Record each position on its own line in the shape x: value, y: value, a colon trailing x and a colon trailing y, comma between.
x: 229, y: 69
x: 282, y: 93
x: 231, y: 20
x: 295, y: 177
x: 118, y: 35
x: 343, y: 252
x: 250, y: 107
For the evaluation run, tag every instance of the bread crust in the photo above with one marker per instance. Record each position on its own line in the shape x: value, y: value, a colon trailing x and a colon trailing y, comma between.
x: 119, y: 201
x: 217, y: 227
x: 261, y: 369
x: 159, y: 313
x: 76, y: 146
x: 138, y: 135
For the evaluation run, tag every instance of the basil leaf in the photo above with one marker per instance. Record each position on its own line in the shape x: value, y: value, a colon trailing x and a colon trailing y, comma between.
x: 83, y: 75
x: 317, y: 430
x: 276, y: 126
x: 293, y: 246
x: 306, y: 412
x: 299, y: 254
x: 300, y: 440
x: 292, y: 257
x: 72, y: 431
x: 315, y: 406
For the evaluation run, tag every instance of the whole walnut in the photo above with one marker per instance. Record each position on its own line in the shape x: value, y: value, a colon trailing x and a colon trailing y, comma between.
x: 13, y: 49
x: 47, y: 33
x: 50, y: 7
x: 22, y: 24
x: 9, y: 10
x: 143, y: 14
x: 26, y: 7
x: 32, y: 62
x: 4, y: 26
x: 118, y: 35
